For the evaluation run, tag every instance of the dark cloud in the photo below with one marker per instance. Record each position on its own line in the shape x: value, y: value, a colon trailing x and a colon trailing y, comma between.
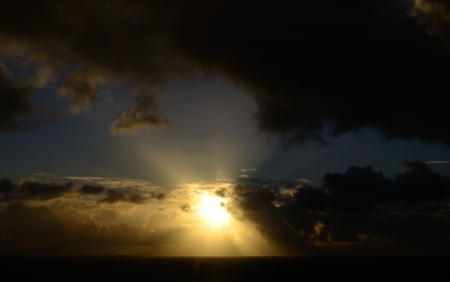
x: 127, y: 195
x: 357, y: 180
x: 82, y: 89
x: 91, y: 189
x: 6, y: 185
x: 34, y: 190
x: 114, y: 196
x: 314, y: 68
x: 252, y: 199
x: 360, y: 207
x: 325, y: 67
x: 17, y: 110
x: 434, y: 15
x: 420, y: 183
x: 143, y: 114
x: 158, y: 196
x: 258, y: 182
x: 116, y: 43
x: 311, y: 198
x: 222, y: 192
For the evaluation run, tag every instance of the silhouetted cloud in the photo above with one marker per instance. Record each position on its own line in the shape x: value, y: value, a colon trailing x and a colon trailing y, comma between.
x: 143, y: 114
x: 35, y: 190
x: 6, y: 185
x: 31, y: 189
x: 314, y: 68
x: 82, y: 89
x: 158, y: 196
x: 221, y: 192
x: 336, y: 70
x: 252, y: 199
x: 17, y: 111
x: 128, y: 195
x: 361, y: 207
x: 91, y: 189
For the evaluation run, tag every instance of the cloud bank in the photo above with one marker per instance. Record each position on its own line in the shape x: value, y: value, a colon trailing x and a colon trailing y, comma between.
x: 359, y: 212
x: 314, y: 68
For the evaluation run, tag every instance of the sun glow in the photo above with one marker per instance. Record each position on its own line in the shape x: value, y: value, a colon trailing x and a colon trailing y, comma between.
x: 212, y: 210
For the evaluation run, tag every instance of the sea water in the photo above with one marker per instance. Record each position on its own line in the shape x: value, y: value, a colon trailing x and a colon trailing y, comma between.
x: 126, y: 268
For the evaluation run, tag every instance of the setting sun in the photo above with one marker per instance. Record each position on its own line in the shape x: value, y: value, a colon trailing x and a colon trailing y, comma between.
x: 212, y: 209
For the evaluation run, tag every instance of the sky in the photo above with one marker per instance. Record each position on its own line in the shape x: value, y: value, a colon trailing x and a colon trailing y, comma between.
x: 224, y: 128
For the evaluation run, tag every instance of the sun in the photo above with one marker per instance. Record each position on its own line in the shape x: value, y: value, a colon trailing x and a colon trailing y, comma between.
x: 212, y: 210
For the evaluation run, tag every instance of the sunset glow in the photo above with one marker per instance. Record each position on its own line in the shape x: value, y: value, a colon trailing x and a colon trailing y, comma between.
x: 212, y: 210
x: 224, y: 128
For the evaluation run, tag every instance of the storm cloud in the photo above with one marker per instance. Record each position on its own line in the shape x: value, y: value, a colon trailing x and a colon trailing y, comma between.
x: 314, y: 68
x: 357, y: 212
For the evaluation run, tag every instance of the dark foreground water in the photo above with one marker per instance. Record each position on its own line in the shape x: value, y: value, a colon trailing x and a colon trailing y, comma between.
x: 122, y: 268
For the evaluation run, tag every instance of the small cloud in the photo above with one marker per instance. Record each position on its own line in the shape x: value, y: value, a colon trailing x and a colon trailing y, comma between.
x: 305, y: 180
x: 221, y: 192
x: 114, y: 196
x: 81, y: 87
x: 119, y: 195
x: 186, y: 208
x: 143, y: 114
x: 248, y: 169
x: 437, y: 162
x: 91, y: 189
x: 158, y: 196
x: 290, y: 192
x: 243, y: 176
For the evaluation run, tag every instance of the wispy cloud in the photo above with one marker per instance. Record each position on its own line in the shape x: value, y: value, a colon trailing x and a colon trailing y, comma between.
x: 437, y: 162
x: 248, y: 169
x: 305, y: 180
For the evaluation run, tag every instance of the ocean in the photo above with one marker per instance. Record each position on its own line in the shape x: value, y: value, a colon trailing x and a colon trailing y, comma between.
x: 131, y: 268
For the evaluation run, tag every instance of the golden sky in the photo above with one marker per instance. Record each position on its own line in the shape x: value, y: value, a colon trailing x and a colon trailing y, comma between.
x: 224, y: 128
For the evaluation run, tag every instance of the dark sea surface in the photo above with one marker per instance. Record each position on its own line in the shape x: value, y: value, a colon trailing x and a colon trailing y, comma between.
x: 125, y: 268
